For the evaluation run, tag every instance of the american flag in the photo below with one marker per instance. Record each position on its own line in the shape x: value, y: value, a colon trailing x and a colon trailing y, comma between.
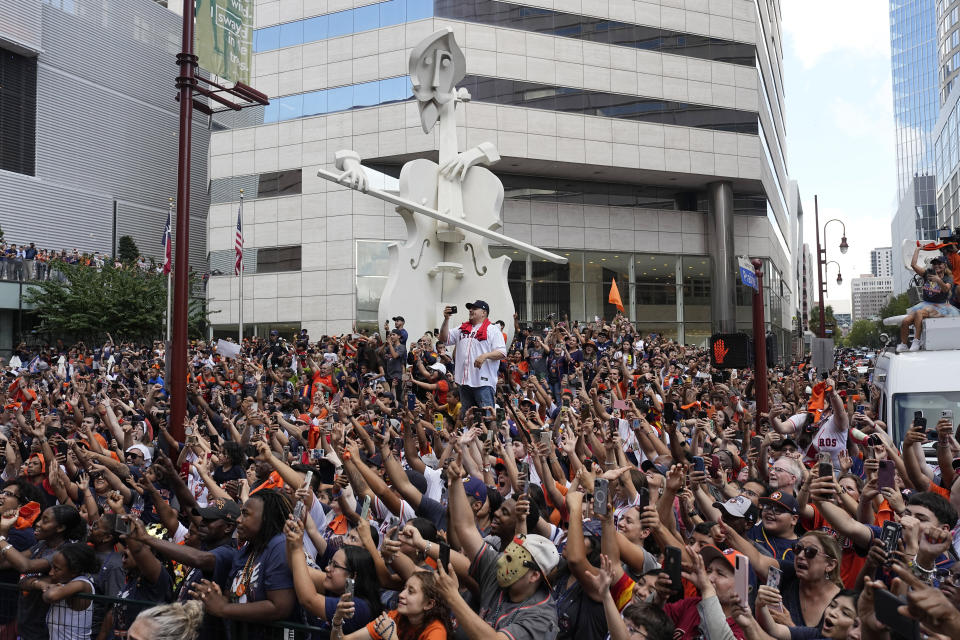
x: 166, y: 244
x: 238, y: 247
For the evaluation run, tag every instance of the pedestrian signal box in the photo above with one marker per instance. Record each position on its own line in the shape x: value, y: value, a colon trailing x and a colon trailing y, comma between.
x: 730, y: 350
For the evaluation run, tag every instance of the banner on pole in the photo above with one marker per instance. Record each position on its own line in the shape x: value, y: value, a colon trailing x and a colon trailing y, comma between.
x: 224, y: 38
x: 747, y: 275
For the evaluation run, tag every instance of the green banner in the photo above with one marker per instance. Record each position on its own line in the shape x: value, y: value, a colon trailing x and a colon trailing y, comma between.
x: 224, y: 38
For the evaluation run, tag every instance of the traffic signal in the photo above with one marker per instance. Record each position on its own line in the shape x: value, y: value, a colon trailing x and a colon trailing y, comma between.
x: 730, y: 350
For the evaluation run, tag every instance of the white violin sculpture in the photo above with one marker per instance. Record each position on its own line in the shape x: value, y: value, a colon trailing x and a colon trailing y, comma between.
x: 451, y: 209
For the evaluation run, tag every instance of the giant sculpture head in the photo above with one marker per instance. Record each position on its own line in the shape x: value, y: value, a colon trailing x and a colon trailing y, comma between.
x: 436, y: 65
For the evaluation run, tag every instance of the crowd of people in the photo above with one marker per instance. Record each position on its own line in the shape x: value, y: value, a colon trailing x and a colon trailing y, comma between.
x: 581, y: 481
x: 25, y: 262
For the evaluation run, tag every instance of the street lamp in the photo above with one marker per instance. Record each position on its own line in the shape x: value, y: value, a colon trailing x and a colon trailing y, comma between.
x: 822, y: 257
x: 839, y: 277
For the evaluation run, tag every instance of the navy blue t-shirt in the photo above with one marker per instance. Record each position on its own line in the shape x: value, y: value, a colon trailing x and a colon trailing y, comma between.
x: 772, y: 546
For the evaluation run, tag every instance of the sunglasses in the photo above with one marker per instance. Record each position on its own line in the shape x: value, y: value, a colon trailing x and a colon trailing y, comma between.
x: 808, y: 552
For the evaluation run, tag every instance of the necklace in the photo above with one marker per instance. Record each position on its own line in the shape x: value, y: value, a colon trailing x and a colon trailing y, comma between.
x: 245, y: 576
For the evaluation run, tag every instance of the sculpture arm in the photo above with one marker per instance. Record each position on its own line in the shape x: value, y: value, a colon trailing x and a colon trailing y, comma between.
x: 457, y: 168
x: 353, y: 176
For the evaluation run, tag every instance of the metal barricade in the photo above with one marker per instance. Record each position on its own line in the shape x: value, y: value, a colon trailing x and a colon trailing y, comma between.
x: 63, y: 620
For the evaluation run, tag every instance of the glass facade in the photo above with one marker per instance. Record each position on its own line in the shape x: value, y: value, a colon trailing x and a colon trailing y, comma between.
x: 496, y: 13
x: 667, y: 294
x: 256, y: 185
x: 948, y: 33
x: 498, y: 91
x: 913, y: 48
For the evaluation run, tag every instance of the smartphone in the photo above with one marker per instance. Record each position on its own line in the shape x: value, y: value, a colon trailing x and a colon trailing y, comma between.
x: 122, y: 526
x: 488, y: 413
x: 565, y: 403
x: 643, y: 498
x: 601, y: 494
x: 438, y: 421
x: 699, y: 464
x: 411, y: 401
x: 620, y: 404
x: 824, y: 465
x: 671, y: 563
x: 885, y: 607
x: 307, y: 479
x: 365, y: 508
x: 885, y: 474
x: 669, y: 413
x: 546, y: 437
x: 394, y: 523
x: 613, y: 426
x: 947, y: 414
x: 756, y: 442
x: 191, y: 440
x: 741, y: 579
x: 317, y: 454
x: 890, y: 536
x: 286, y: 452
x: 535, y: 433
x: 444, y: 559
x: 523, y: 476
x: 701, y: 415
x: 349, y: 587
x: 501, y: 414
x: 918, y: 420
x: 298, y: 510
x: 773, y: 577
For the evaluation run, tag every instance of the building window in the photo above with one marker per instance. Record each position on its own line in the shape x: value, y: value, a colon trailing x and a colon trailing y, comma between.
x: 18, y: 113
x: 257, y: 185
x: 278, y: 259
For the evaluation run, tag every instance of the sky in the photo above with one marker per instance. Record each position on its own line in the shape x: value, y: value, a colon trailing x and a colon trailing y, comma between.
x: 840, y: 131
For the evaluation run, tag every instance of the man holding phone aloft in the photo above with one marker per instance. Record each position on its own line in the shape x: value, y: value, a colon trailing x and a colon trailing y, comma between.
x: 479, y: 349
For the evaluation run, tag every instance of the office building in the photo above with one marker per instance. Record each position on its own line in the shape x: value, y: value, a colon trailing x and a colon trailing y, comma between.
x: 869, y: 294
x: 917, y: 88
x: 945, y: 135
x: 881, y: 262
x: 88, y: 123
x: 643, y: 141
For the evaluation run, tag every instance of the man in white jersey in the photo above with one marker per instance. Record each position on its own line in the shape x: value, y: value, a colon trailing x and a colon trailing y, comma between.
x: 479, y: 349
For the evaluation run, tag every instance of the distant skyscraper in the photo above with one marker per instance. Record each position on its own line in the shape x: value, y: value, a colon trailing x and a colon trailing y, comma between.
x: 869, y: 295
x: 881, y: 262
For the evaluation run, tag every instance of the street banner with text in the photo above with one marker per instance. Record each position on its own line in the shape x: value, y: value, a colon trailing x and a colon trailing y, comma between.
x: 224, y: 38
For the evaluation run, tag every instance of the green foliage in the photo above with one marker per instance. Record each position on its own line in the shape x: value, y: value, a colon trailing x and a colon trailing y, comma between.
x: 897, y: 306
x: 128, y: 303
x: 831, y: 322
x: 127, y: 250
x: 863, y: 333
x: 1, y: 234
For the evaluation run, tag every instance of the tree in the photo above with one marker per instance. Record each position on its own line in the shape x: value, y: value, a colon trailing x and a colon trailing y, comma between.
x: 815, y: 319
x: 863, y: 333
x: 129, y: 303
x: 897, y: 306
x: 127, y: 250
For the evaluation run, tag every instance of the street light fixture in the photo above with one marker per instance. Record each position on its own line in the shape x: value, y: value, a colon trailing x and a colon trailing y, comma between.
x: 822, y: 257
x: 839, y: 277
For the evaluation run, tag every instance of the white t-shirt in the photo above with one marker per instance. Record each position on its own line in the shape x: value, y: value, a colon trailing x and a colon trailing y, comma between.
x: 828, y: 439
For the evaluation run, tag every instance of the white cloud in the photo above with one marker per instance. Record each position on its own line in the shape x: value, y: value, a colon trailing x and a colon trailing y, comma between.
x: 816, y: 29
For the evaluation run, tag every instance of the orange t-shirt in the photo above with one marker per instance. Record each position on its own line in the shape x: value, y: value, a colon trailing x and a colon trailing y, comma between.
x: 940, y: 491
x: 434, y: 630
x: 850, y: 562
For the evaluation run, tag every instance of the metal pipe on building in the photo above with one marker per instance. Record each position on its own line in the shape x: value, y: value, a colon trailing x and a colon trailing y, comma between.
x: 720, y: 246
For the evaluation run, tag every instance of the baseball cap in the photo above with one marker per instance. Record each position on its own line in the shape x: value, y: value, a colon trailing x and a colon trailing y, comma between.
x: 417, y: 479
x: 782, y: 500
x: 437, y: 366
x: 777, y: 446
x: 480, y: 304
x: 937, y: 260
x: 709, y: 553
x: 475, y: 488
x: 647, y: 465
x: 544, y: 552
x: 143, y: 450
x: 400, y: 318
x: 219, y: 509
x: 738, y: 507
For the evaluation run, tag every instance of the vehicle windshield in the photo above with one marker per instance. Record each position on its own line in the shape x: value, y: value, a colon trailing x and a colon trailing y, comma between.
x: 930, y: 403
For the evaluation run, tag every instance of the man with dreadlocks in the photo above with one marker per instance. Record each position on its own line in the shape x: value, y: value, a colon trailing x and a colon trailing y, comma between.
x: 261, y: 585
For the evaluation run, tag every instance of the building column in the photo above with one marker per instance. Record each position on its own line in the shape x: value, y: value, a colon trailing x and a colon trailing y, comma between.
x: 720, y: 246
x: 632, y: 288
x: 528, y: 285
x: 678, y: 287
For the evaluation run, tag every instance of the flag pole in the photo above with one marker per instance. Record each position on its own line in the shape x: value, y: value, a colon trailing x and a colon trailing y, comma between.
x: 169, y: 274
x: 240, y: 214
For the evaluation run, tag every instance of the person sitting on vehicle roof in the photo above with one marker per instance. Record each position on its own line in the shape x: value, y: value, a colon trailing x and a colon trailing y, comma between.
x: 937, y: 285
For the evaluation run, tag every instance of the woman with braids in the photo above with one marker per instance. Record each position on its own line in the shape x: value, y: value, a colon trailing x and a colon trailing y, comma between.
x: 261, y: 587
x: 421, y: 614
x: 319, y: 592
x: 57, y: 526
